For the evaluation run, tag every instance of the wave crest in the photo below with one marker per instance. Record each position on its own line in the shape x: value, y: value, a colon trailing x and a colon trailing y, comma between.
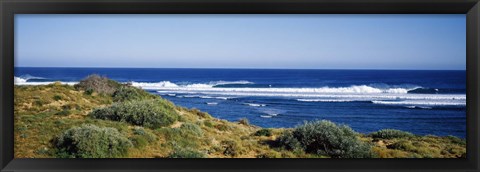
x: 25, y: 78
x: 168, y: 84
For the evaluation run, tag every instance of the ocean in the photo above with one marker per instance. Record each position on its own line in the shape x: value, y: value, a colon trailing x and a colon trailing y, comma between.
x: 419, y: 101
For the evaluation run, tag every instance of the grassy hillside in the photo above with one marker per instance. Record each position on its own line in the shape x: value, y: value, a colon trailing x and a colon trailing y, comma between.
x: 102, y: 118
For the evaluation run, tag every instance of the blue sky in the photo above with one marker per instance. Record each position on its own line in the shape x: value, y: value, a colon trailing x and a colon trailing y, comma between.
x: 242, y: 41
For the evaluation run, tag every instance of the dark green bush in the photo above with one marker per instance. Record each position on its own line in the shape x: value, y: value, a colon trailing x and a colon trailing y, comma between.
x: 57, y: 97
x: 289, y: 142
x: 96, y: 83
x: 90, y: 141
x: 264, y: 132
x: 326, y: 138
x: 390, y: 134
x: 148, y: 113
x: 128, y: 93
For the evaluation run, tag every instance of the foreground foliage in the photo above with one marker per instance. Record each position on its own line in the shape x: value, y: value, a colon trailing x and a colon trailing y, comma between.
x: 148, y: 113
x: 90, y: 141
x: 64, y: 121
x: 327, y: 138
x: 390, y: 134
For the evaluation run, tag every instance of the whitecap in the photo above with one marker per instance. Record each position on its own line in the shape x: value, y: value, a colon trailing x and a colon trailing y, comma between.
x: 255, y: 104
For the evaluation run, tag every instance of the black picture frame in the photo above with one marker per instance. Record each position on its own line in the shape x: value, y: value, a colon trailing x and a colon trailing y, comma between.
x: 9, y: 8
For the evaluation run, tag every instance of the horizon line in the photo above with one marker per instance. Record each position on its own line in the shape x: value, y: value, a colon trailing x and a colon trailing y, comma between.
x: 235, y: 68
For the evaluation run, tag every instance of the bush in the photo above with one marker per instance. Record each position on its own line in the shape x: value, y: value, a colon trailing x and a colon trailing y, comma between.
x: 289, y: 142
x: 142, y: 137
x: 199, y: 113
x: 90, y: 141
x: 326, y: 138
x: 402, y: 145
x: 244, y: 121
x: 179, y: 152
x: 192, y: 128
x: 57, y: 97
x: 390, y: 134
x: 222, y: 127
x: 232, y: 148
x: 264, y: 132
x: 96, y: 83
x: 148, y: 113
x: 208, y: 124
x: 128, y: 93
x: 456, y: 140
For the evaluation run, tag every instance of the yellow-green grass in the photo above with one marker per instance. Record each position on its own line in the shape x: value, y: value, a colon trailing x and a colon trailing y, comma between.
x: 44, y: 112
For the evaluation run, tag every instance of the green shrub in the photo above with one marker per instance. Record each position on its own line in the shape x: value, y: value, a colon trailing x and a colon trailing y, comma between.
x: 128, y: 93
x: 264, y: 132
x: 57, y: 97
x: 232, y: 148
x: 179, y: 152
x: 139, y: 141
x: 326, y: 138
x: 402, y: 145
x: 90, y: 141
x: 391, y: 134
x: 456, y: 140
x: 142, y: 137
x: 179, y: 137
x: 148, y: 113
x: 289, y: 142
x: 244, y: 121
x: 96, y: 83
x: 88, y: 92
x: 192, y: 128
x: 208, y: 124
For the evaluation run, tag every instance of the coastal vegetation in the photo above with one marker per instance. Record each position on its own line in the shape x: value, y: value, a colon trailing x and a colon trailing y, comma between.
x: 101, y: 118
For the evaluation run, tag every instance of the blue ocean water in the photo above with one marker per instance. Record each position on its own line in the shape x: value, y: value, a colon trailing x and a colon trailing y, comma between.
x: 419, y: 101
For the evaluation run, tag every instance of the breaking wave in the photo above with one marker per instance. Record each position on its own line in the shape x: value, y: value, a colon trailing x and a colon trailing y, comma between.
x: 168, y: 84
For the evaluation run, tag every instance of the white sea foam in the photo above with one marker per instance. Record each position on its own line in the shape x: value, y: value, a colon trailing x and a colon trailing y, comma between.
x: 212, y: 103
x: 23, y: 80
x: 357, y: 89
x: 326, y: 100
x: 19, y: 80
x: 255, y: 104
x: 328, y: 94
x: 168, y: 84
x: 266, y: 116
x: 425, y: 103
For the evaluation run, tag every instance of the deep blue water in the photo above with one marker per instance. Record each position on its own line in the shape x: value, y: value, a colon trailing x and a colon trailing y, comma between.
x: 420, y: 101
